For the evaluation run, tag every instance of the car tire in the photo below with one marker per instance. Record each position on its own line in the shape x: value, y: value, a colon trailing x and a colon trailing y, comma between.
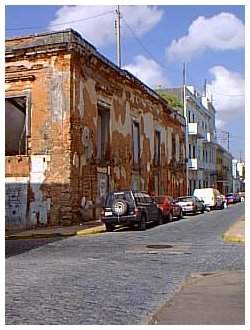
x: 142, y: 224
x: 170, y: 217
x: 109, y: 227
x: 161, y: 220
x: 181, y: 215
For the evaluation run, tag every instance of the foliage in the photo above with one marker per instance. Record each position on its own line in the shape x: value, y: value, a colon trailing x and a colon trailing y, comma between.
x: 172, y: 100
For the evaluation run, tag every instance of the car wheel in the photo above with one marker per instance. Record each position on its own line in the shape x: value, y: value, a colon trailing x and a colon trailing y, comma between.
x: 180, y: 215
x: 109, y: 227
x: 202, y: 210
x: 160, y: 219
x: 170, y: 217
x: 142, y: 224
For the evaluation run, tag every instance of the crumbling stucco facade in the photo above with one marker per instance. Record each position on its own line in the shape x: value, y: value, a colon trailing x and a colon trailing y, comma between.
x: 77, y: 127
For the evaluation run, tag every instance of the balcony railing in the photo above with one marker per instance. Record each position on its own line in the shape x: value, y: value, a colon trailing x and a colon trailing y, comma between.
x: 192, y: 164
x: 194, y: 129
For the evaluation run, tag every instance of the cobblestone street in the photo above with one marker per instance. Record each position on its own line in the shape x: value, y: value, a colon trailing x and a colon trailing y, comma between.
x: 117, y: 278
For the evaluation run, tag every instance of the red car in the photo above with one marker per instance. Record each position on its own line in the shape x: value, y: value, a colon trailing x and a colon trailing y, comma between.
x: 232, y: 198
x: 169, y: 209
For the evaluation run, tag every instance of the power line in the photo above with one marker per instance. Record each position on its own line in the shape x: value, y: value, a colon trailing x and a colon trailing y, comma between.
x: 69, y: 22
x: 146, y: 50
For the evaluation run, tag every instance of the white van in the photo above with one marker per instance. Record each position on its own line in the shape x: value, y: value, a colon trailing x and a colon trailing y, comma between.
x: 212, y: 197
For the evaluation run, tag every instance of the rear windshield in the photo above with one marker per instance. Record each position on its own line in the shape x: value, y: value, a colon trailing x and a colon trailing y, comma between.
x: 125, y: 195
x: 229, y: 195
x: 185, y: 199
x: 161, y: 199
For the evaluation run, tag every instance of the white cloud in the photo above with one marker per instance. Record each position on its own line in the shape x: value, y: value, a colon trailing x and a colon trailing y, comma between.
x: 148, y: 71
x: 228, y: 89
x: 221, y: 32
x: 100, y: 30
x: 219, y: 123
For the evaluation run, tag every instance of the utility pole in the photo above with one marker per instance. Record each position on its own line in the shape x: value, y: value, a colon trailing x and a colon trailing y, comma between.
x: 205, y: 88
x: 186, y: 123
x: 118, y: 35
x: 228, y: 141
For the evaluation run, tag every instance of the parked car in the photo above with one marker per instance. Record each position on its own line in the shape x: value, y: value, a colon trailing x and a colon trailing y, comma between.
x: 242, y: 196
x: 129, y: 208
x: 224, y: 201
x: 168, y: 208
x: 233, y: 198
x: 190, y: 204
x: 212, y: 198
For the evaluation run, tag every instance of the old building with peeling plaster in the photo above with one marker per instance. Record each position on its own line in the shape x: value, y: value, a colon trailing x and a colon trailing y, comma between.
x: 77, y: 127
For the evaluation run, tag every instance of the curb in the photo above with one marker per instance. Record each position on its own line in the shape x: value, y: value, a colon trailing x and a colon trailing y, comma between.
x: 82, y: 232
x: 16, y: 237
x: 235, y: 239
x: 233, y: 233
x: 93, y: 230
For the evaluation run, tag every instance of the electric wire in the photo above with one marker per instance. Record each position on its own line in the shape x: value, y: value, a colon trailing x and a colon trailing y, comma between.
x: 58, y: 24
x: 146, y: 50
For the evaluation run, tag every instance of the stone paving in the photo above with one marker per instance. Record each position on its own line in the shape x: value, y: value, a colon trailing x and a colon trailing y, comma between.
x: 114, y: 278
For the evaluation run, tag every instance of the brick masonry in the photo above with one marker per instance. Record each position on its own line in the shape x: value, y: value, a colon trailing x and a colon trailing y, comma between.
x: 65, y: 81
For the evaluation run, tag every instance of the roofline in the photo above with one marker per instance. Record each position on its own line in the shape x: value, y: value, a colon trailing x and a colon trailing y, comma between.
x: 83, y: 43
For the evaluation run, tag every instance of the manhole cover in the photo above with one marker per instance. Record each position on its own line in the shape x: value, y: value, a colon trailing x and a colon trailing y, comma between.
x: 159, y: 246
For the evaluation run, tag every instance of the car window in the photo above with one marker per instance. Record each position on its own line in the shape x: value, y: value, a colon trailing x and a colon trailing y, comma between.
x: 126, y: 196
x: 147, y: 198
x: 185, y: 199
x: 139, y: 198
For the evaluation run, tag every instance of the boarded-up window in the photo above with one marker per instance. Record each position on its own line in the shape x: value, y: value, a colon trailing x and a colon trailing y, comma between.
x: 103, y: 134
x: 15, y: 126
x: 136, y: 142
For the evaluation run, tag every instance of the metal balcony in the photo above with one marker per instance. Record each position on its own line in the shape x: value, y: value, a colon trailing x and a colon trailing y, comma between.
x: 192, y: 164
x: 194, y: 129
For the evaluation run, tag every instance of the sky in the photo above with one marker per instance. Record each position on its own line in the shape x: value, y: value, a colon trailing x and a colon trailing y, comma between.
x: 155, y: 42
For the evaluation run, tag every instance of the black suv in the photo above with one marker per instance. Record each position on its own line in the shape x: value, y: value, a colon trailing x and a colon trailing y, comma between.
x: 129, y: 208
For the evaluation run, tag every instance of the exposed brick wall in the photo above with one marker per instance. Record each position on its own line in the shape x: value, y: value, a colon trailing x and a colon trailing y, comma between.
x: 66, y: 83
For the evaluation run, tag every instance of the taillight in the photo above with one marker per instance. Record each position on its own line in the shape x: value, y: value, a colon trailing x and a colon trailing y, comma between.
x: 136, y: 210
x: 102, y: 213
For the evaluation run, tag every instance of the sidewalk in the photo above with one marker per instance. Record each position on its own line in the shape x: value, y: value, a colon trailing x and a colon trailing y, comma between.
x: 211, y: 298
x: 86, y: 228
x: 206, y: 299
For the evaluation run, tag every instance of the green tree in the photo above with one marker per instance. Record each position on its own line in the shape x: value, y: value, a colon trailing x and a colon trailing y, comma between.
x: 172, y: 100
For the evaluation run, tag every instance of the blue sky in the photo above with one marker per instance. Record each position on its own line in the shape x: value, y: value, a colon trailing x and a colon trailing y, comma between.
x: 209, y: 38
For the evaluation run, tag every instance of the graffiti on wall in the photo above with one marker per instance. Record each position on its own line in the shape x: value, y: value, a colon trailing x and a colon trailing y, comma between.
x: 16, y: 201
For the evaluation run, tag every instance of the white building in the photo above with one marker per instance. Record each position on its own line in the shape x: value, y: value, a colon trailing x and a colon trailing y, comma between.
x: 201, y: 146
x: 238, y: 172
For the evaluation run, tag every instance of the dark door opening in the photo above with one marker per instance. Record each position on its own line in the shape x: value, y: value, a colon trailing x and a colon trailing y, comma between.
x: 15, y: 126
